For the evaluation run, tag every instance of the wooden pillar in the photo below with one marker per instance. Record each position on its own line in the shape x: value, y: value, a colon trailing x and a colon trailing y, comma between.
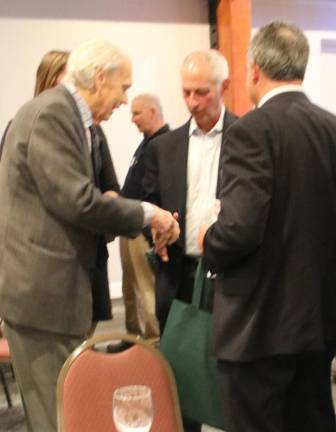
x: 233, y: 35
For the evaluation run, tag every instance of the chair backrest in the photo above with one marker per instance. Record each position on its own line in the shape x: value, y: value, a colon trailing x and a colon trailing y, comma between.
x: 4, y: 351
x: 5, y: 356
x: 89, y: 377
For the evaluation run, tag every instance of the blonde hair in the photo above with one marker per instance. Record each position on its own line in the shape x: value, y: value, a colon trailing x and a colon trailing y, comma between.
x: 53, y: 63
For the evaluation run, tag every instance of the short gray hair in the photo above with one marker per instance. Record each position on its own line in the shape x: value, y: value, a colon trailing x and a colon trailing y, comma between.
x: 86, y: 58
x: 150, y: 100
x: 281, y: 50
x: 217, y: 62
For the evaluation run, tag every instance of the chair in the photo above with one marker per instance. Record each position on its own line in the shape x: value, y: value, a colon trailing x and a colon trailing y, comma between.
x: 5, y: 358
x: 89, y: 377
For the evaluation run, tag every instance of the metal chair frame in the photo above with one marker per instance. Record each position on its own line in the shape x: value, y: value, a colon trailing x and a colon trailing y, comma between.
x: 5, y: 358
x: 103, y: 339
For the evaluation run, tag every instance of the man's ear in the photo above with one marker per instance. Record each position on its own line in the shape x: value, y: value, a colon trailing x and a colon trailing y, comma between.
x: 99, y: 79
x: 226, y: 84
x: 153, y: 112
x: 255, y: 72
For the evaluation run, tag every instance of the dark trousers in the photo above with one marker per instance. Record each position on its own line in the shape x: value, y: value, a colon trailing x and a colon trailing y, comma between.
x: 288, y: 393
x: 190, y: 426
x: 173, y: 281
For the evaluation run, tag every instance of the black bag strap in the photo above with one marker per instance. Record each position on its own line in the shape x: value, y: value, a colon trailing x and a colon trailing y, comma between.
x: 203, y: 287
x: 199, y: 284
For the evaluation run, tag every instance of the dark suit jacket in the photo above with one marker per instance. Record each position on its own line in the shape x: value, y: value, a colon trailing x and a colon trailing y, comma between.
x: 108, y: 177
x: 274, y: 244
x: 101, y: 302
x: 165, y: 184
x: 50, y: 216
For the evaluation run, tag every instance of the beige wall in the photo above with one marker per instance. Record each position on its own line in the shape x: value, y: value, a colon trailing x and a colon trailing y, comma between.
x: 157, y: 34
x: 317, y: 18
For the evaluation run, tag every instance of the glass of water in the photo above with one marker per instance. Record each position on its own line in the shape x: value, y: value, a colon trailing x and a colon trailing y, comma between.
x: 133, y: 408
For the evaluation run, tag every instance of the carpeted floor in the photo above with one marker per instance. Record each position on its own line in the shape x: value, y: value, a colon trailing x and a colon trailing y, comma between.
x: 12, y: 420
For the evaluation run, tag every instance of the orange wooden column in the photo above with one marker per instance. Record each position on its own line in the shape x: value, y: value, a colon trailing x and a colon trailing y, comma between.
x: 233, y: 36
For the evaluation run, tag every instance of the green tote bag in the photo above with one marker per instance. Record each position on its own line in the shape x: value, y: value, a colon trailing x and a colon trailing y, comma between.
x: 186, y: 343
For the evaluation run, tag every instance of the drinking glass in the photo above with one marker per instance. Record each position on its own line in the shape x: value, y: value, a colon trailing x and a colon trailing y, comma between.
x: 133, y: 408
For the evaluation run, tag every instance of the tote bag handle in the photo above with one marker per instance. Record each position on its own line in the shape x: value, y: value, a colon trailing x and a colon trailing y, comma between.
x: 203, y: 287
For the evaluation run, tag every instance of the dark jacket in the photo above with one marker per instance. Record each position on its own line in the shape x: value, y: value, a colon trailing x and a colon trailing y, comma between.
x: 165, y: 185
x: 274, y: 244
x: 133, y: 186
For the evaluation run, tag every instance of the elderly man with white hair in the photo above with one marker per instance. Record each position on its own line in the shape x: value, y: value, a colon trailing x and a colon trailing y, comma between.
x: 52, y: 216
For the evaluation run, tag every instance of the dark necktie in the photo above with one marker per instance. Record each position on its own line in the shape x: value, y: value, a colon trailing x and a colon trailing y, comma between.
x: 95, y: 155
x: 102, y: 253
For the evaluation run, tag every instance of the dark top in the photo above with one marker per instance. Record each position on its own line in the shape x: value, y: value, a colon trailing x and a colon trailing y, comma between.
x: 107, y: 180
x: 133, y: 186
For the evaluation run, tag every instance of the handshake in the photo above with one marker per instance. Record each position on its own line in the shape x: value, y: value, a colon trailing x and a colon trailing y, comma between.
x: 164, y: 227
x: 165, y: 231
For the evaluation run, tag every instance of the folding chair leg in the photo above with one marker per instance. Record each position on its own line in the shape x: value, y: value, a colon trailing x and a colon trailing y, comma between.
x: 4, y: 384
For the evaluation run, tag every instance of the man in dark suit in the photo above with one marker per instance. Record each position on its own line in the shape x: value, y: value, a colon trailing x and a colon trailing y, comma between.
x: 52, y: 216
x: 182, y: 173
x: 273, y: 249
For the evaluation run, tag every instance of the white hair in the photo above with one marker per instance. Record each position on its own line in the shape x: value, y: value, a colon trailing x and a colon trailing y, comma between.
x: 217, y: 62
x: 89, y: 56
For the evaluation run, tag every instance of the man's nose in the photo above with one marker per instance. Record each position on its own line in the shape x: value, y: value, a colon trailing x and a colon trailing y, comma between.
x: 192, y: 100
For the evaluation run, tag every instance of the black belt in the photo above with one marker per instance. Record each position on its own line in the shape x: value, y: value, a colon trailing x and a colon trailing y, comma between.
x: 190, y: 260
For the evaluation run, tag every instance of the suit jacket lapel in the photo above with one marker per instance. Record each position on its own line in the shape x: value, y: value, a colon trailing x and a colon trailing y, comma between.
x: 83, y: 136
x: 180, y: 169
x: 229, y: 118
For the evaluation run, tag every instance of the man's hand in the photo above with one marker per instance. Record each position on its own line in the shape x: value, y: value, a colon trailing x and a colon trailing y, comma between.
x: 162, y: 240
x: 111, y: 194
x: 162, y: 221
x: 200, y: 237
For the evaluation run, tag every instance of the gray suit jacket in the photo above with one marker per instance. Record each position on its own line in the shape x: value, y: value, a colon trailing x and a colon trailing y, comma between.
x: 50, y: 216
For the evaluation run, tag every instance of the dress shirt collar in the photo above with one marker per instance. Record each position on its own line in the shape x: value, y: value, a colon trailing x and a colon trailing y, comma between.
x: 279, y: 90
x: 82, y: 106
x: 218, y: 128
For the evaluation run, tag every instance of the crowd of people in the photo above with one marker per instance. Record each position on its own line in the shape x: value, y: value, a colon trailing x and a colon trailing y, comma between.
x: 254, y: 196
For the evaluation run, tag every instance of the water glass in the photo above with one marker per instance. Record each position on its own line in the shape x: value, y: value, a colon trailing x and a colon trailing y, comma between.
x: 133, y: 408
